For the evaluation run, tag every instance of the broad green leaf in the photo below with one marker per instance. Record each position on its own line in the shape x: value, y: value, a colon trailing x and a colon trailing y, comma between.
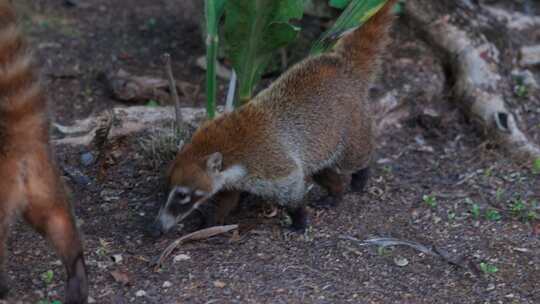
x: 356, y: 14
x: 253, y: 30
x: 341, y: 4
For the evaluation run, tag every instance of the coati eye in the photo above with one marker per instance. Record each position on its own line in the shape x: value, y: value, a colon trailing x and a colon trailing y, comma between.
x: 182, y: 196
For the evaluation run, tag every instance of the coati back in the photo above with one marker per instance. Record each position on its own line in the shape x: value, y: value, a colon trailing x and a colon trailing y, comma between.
x: 29, y: 180
x: 314, y: 122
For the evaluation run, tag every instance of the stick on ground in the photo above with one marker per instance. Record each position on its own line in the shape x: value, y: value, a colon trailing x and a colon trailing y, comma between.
x: 194, y: 236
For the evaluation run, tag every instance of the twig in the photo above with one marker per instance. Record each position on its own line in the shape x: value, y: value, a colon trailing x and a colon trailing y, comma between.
x: 430, y: 250
x: 194, y: 236
x: 174, y: 93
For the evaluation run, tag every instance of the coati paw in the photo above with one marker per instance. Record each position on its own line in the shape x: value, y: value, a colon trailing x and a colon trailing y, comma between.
x: 299, y: 219
x: 359, y: 180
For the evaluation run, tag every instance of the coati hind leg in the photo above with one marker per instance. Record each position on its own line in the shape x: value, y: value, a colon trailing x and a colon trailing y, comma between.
x: 332, y: 181
x: 49, y: 212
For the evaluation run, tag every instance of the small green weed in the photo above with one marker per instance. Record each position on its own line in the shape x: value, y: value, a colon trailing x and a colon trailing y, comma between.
x: 488, y: 268
x: 430, y: 200
x: 475, y: 211
x: 523, y: 210
x: 536, y: 166
x: 47, y: 277
x: 493, y: 215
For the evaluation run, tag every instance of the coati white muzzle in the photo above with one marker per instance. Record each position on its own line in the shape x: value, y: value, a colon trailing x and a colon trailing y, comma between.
x: 180, y: 204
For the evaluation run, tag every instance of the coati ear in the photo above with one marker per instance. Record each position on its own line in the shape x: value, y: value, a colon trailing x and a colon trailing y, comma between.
x: 214, y: 162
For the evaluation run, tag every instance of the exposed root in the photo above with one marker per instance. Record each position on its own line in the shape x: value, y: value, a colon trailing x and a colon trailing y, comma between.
x: 128, y: 121
x: 477, y: 81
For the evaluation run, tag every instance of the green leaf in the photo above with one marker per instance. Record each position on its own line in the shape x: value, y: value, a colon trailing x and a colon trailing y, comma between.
x: 493, y: 215
x: 254, y: 30
x: 475, y: 211
x: 152, y: 103
x: 47, y: 276
x: 341, y: 4
x: 488, y: 268
x: 356, y: 14
x: 536, y: 166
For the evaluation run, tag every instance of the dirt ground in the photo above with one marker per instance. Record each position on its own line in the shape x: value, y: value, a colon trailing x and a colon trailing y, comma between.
x: 434, y: 182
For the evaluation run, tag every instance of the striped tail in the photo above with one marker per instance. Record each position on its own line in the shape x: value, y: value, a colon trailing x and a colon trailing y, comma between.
x: 363, y: 47
x: 22, y: 103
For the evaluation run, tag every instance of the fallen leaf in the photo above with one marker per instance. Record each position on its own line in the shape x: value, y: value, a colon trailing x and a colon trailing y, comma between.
x: 120, y: 277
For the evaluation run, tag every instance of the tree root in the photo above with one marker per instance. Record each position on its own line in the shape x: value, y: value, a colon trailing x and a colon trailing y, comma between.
x: 477, y: 82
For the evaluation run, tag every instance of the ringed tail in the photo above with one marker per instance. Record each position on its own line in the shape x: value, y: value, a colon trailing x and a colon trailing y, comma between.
x: 21, y: 95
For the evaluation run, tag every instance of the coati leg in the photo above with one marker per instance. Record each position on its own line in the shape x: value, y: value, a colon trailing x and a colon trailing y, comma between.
x: 299, y: 218
x: 4, y: 231
x: 48, y: 211
x: 332, y: 181
x: 223, y: 203
x: 359, y: 180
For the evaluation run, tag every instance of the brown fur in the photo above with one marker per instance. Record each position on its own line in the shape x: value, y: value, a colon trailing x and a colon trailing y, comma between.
x: 29, y: 180
x: 315, y: 120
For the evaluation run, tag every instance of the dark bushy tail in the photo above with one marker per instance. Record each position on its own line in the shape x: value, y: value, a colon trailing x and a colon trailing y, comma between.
x: 363, y: 47
x: 20, y: 93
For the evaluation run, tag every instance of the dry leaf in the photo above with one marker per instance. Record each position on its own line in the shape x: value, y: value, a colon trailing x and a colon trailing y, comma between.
x: 120, y: 276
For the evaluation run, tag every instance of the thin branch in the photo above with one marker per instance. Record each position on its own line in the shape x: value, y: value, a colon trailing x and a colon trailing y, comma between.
x: 174, y: 92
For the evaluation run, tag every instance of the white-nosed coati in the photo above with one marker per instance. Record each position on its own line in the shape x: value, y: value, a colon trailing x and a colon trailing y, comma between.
x: 313, y: 122
x: 30, y: 183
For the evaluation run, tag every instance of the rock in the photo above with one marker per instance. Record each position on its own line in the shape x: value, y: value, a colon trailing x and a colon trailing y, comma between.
x: 166, y: 284
x: 181, y: 257
x: 219, y: 284
x: 530, y: 55
x: 87, y: 159
x: 140, y: 293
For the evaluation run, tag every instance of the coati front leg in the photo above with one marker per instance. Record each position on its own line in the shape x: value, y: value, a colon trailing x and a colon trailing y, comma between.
x: 49, y: 213
x: 332, y: 181
x: 359, y: 180
x: 221, y: 205
x: 4, y: 231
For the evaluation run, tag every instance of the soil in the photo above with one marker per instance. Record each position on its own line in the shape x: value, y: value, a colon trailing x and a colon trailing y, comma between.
x: 435, y: 182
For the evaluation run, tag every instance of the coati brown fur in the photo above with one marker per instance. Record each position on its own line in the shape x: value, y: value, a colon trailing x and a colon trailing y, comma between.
x: 313, y: 122
x: 30, y: 183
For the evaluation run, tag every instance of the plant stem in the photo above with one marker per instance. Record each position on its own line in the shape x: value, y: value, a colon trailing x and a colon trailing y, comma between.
x: 212, y: 40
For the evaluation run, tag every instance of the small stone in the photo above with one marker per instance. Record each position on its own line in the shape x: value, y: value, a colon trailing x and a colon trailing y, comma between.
x: 87, y: 159
x: 140, y: 293
x: 401, y: 261
x: 166, y: 284
x: 117, y: 258
x: 219, y: 284
x: 181, y: 257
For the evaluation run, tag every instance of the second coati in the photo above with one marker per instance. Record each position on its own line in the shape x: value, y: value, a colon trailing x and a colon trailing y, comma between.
x: 314, y: 122
x: 30, y: 184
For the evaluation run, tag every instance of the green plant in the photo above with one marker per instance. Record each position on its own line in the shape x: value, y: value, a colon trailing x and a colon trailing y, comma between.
x: 536, y: 166
x: 517, y: 206
x: 213, y: 10
x: 356, y: 13
x: 488, y: 268
x: 255, y: 29
x: 475, y: 211
x: 430, y: 200
x: 493, y: 215
x: 47, y: 277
